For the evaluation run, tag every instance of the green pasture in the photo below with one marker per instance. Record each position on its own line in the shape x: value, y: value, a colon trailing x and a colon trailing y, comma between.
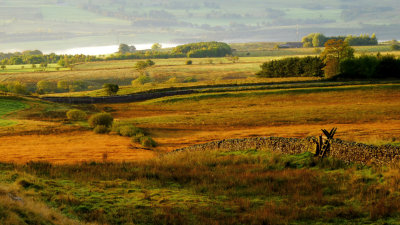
x: 8, y: 106
x: 28, y: 68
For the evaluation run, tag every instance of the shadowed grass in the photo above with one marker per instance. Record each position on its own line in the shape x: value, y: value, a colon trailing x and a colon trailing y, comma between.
x: 240, y: 187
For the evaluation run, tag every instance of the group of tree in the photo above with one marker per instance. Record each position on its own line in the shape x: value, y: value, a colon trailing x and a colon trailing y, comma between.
x: 194, y: 50
x: 336, y: 61
x: 46, y: 86
x: 293, y: 67
x: 370, y: 67
x: 37, y: 57
x: 336, y: 50
x: 15, y: 87
x: 319, y: 40
x: 203, y: 49
x: 124, y: 48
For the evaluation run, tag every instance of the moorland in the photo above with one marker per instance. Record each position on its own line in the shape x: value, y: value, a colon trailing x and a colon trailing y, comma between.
x: 56, y: 170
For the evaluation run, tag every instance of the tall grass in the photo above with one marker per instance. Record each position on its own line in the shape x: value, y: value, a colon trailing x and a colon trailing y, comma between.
x: 241, y: 187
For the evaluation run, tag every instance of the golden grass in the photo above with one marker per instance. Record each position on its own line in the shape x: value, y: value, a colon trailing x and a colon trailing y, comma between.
x: 67, y: 148
x: 370, y: 115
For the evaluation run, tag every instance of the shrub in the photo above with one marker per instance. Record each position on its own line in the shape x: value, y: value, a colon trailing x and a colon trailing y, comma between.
x: 111, y: 89
x: 189, y: 80
x: 147, y: 142
x: 172, y: 80
x: 189, y: 62
x: 141, y: 65
x: 144, y: 140
x: 76, y: 115
x: 101, y: 129
x: 104, y: 119
x: 129, y: 131
x: 137, y: 137
x: 142, y: 79
x: 395, y: 47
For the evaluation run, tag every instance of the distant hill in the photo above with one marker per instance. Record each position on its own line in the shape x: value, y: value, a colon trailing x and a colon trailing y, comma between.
x: 58, y: 24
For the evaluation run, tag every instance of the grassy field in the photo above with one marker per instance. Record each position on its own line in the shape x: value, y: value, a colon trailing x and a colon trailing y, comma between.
x: 241, y: 187
x: 28, y: 68
x: 180, y: 121
x: 8, y: 106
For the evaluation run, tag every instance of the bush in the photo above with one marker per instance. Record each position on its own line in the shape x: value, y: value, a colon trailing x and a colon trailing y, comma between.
x: 395, y: 47
x: 141, y: 65
x: 129, y: 131
x: 101, y: 129
x: 76, y: 115
x: 111, y: 89
x: 104, y: 119
x: 142, y: 79
x: 144, y: 140
x: 189, y: 62
x: 189, y: 80
x: 147, y: 142
x: 137, y: 137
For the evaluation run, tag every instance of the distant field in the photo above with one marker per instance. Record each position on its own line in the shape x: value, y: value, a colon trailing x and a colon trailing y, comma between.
x: 28, y: 68
x: 205, y: 71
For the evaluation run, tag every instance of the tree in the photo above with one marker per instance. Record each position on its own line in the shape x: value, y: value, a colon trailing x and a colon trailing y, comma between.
x: 335, y: 51
x: 3, y: 67
x: 141, y: 65
x: 318, y: 40
x: 124, y: 48
x: 45, y: 86
x: 111, y: 89
x: 156, y: 46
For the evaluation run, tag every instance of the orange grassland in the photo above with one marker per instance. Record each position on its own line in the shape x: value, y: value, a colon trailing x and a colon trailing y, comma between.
x: 369, y: 115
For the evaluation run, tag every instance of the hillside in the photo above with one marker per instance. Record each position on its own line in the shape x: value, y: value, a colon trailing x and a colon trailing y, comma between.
x: 52, y: 25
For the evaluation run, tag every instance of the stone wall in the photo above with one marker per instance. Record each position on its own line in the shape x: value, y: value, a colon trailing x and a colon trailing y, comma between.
x: 347, y: 151
x: 116, y: 99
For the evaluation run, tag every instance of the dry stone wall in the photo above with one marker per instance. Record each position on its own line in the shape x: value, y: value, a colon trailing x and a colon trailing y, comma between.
x: 347, y: 151
x: 116, y: 99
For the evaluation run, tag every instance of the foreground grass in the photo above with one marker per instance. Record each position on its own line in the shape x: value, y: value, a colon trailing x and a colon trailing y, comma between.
x: 242, y: 187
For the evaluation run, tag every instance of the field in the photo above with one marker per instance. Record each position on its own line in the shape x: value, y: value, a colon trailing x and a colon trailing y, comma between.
x: 67, y: 174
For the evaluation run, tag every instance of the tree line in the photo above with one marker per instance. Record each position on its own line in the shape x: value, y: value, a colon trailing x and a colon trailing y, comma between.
x: 319, y: 40
x: 293, y: 67
x: 193, y: 50
x: 37, y: 57
x: 337, y: 61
